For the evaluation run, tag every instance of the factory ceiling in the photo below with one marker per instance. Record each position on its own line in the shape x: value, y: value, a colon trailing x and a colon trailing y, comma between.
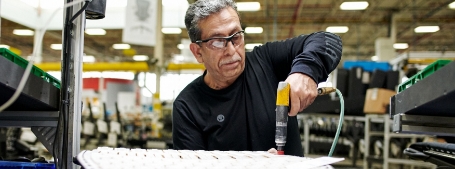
x: 281, y: 19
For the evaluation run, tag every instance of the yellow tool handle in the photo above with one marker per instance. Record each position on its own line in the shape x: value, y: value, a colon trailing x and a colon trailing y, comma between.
x: 283, y: 94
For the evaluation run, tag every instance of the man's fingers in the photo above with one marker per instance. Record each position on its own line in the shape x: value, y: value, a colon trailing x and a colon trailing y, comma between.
x: 310, y: 95
x: 273, y: 151
x: 295, y: 105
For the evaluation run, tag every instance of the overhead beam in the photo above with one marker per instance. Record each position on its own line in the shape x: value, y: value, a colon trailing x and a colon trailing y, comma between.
x: 425, y: 17
x: 102, y: 66
x: 121, y: 66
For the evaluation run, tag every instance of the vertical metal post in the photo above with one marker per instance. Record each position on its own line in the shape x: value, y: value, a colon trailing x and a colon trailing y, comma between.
x: 267, y: 27
x: 158, y: 49
x: 306, y: 134
x: 367, y: 141
x: 357, y: 31
x: 275, y: 18
x: 39, y: 49
x: 76, y: 46
x: 385, y: 150
x: 393, y: 28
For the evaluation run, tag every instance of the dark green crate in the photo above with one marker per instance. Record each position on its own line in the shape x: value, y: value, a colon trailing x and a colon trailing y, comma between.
x: 23, y: 63
x: 52, y: 80
x: 7, y: 54
x: 430, y: 69
x: 13, y: 57
x: 38, y: 72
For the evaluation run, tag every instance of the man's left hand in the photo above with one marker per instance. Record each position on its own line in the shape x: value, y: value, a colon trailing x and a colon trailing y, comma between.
x: 302, y: 93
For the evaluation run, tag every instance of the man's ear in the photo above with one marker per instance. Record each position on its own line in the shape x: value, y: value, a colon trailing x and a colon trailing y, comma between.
x: 196, y: 50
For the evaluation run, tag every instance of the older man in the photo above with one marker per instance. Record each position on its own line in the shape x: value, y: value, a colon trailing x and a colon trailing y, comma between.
x: 232, y: 105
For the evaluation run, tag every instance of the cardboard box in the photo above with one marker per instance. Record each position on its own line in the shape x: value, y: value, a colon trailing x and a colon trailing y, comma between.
x: 377, y: 100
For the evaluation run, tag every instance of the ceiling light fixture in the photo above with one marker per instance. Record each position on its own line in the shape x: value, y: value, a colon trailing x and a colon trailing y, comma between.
x: 337, y: 29
x: 140, y: 57
x: 171, y: 30
x: 252, y: 30
x: 400, y: 45
x: 56, y: 46
x: 121, y: 46
x: 426, y: 29
x: 95, y: 31
x: 4, y: 46
x: 180, y: 46
x: 452, y: 5
x: 23, y: 32
x: 251, y: 45
x: 88, y: 59
x: 356, y: 5
x: 248, y: 6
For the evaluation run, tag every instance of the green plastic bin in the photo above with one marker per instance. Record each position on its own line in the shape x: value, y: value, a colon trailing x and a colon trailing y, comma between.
x: 430, y: 69
x: 35, y: 70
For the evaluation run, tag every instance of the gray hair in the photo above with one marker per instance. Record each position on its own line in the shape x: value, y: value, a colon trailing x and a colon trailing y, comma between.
x: 200, y: 10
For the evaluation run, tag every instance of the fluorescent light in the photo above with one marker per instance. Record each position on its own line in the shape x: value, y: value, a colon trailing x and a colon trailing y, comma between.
x: 452, y: 5
x: 180, y: 46
x: 56, y: 46
x: 171, y: 30
x: 400, y: 45
x: 248, y: 6
x: 337, y: 29
x: 95, y: 31
x: 121, y: 46
x: 357, y: 5
x: 140, y: 57
x: 374, y: 58
x: 426, y: 29
x: 23, y: 32
x: 4, y: 46
x: 251, y: 45
x: 252, y: 30
x: 88, y: 59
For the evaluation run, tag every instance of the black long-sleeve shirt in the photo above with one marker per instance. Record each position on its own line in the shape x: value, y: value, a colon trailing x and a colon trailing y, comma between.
x: 242, y: 116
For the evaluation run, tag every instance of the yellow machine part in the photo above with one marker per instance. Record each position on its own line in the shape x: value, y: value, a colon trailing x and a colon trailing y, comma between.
x: 101, y: 66
x: 282, y: 97
x: 120, y: 66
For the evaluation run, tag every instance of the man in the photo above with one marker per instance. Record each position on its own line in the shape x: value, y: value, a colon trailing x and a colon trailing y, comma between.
x: 232, y: 105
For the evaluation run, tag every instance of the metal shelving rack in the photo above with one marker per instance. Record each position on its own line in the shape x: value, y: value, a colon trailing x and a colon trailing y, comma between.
x: 387, y: 135
x: 305, y: 117
x: 427, y: 107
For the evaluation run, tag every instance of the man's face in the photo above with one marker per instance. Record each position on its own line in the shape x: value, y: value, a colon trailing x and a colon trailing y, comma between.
x: 225, y: 63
